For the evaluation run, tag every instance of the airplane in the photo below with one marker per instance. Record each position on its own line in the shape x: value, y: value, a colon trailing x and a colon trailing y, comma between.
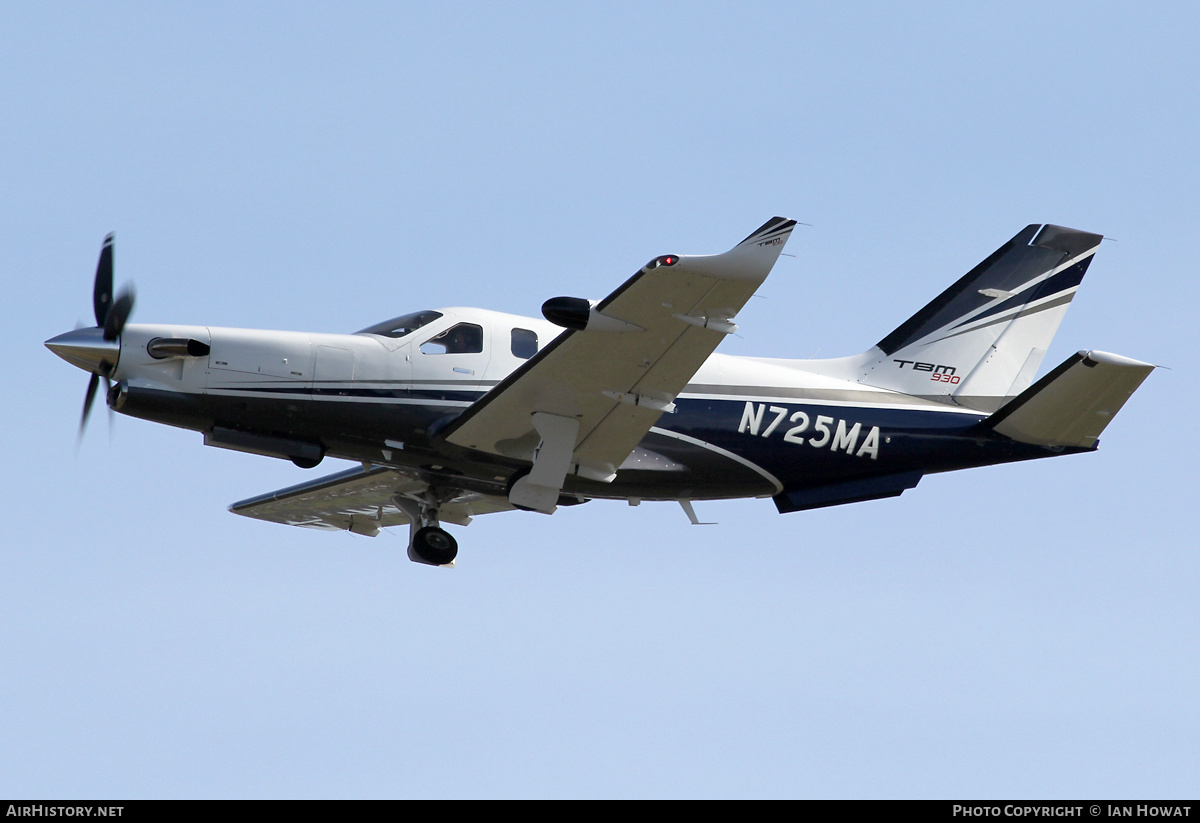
x: 457, y: 412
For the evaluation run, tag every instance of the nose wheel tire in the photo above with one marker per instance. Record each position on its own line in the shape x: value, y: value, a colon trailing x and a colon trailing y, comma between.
x: 434, y: 545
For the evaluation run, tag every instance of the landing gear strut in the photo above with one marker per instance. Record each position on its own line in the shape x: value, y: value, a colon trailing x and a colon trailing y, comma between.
x: 428, y: 542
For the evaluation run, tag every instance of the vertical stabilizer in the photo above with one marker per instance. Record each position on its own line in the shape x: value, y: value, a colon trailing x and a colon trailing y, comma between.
x: 982, y: 339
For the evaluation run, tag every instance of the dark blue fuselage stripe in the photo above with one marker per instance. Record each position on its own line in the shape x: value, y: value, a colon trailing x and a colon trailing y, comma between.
x: 884, y: 439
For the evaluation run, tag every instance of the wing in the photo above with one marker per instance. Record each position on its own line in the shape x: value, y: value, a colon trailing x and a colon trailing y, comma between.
x: 622, y: 362
x: 358, y: 500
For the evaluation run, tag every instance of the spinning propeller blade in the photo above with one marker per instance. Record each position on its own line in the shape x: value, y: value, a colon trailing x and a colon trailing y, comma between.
x: 102, y: 291
x: 111, y: 316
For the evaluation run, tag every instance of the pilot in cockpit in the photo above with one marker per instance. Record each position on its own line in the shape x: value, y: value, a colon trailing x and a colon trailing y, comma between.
x: 464, y: 338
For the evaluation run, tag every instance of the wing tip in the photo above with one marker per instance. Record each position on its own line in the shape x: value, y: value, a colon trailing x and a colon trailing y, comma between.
x: 773, y: 227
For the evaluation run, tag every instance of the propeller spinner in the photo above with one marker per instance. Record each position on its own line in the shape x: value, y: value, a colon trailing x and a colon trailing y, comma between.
x: 97, y: 349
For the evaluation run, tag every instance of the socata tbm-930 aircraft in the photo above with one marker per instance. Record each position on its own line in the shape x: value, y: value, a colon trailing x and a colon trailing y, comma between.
x: 458, y: 412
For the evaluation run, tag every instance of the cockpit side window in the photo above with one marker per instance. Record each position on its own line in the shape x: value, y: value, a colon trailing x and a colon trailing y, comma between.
x: 465, y: 338
x: 402, y: 326
x: 524, y: 343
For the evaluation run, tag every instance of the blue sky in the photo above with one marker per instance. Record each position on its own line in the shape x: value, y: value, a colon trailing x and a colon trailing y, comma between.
x: 1026, y: 630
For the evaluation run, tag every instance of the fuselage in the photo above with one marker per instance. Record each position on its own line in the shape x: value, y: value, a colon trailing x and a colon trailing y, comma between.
x: 743, y: 427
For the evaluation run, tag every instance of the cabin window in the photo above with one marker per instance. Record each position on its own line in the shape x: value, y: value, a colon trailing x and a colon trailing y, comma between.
x: 401, y: 326
x: 524, y: 343
x: 465, y: 338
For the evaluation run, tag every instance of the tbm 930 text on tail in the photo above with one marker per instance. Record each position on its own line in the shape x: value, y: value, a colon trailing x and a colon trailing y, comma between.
x: 456, y: 412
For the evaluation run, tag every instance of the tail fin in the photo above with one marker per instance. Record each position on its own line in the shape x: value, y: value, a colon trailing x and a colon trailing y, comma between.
x: 1071, y: 405
x: 981, y: 341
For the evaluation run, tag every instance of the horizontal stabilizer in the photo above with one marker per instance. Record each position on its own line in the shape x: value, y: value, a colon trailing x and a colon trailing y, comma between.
x: 1071, y: 405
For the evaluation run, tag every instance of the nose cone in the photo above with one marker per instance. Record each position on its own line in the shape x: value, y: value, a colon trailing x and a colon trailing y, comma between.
x: 87, y: 349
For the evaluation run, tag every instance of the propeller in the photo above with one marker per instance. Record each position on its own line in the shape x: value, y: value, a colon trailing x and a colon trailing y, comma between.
x: 111, y: 316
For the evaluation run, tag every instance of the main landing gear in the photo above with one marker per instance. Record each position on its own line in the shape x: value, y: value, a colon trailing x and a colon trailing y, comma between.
x: 433, y: 545
x: 428, y: 542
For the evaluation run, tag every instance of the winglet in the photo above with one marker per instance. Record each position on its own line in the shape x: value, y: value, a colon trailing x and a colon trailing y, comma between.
x: 768, y: 230
x: 750, y: 260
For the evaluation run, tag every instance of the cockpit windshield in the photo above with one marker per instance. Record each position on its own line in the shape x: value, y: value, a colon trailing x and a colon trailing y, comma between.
x: 403, y: 325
